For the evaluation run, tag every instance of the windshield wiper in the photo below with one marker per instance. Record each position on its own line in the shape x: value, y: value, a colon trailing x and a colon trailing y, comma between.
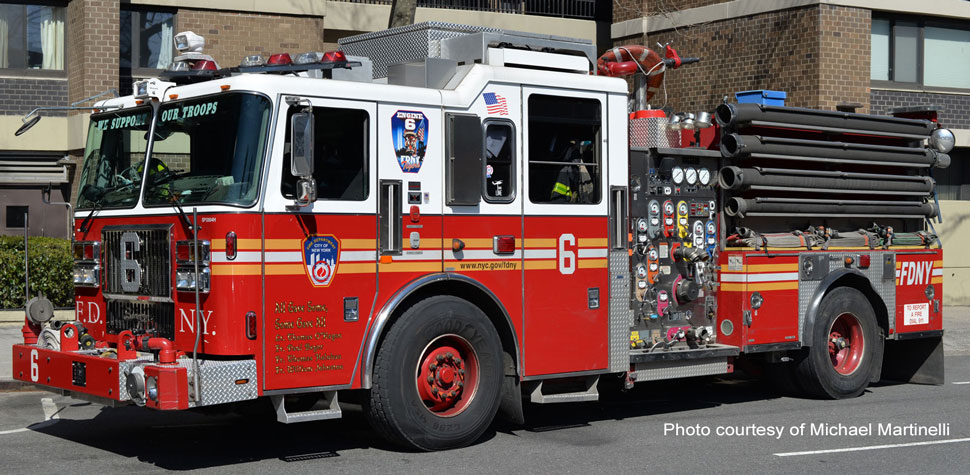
x: 97, y: 205
x: 96, y: 196
x: 177, y: 204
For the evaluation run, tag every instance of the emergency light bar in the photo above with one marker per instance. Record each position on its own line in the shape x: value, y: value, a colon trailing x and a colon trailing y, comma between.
x: 193, y: 66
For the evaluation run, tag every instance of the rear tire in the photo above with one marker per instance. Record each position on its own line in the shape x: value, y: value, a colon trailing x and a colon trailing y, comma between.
x: 437, y: 376
x: 846, y: 342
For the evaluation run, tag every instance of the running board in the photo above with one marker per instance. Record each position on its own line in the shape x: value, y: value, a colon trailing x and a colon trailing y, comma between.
x: 589, y: 394
x: 328, y: 400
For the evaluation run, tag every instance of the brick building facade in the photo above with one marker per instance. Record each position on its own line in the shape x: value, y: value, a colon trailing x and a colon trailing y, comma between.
x: 823, y: 53
x: 818, y: 54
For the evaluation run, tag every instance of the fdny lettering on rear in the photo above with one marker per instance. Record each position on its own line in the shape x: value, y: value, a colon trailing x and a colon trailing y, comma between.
x: 914, y: 273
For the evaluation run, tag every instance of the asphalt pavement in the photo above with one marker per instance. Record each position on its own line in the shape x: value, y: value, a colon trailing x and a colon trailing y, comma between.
x: 726, y: 424
x: 631, y: 432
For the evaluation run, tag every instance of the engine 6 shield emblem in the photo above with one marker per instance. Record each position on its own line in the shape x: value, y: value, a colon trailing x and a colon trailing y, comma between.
x: 409, y: 130
x: 320, y: 257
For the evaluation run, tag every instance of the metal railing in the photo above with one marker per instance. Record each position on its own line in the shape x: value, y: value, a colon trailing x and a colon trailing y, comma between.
x: 583, y: 9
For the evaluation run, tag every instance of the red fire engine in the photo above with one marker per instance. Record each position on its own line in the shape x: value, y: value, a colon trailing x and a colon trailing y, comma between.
x: 483, y: 223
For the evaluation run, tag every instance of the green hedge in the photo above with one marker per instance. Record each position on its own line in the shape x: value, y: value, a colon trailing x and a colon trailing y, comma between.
x: 51, y: 271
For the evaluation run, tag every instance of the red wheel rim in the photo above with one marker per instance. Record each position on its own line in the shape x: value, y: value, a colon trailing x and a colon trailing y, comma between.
x: 846, y: 344
x: 447, y: 375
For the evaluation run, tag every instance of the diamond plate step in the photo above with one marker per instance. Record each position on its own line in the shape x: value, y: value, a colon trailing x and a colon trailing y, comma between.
x: 329, y: 400
x: 590, y: 394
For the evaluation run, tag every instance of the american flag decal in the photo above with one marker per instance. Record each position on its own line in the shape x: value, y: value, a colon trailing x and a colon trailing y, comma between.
x: 495, y: 104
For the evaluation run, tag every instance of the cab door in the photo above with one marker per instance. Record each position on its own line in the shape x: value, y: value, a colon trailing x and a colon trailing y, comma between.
x: 320, y: 261
x: 566, y: 231
x: 482, y: 226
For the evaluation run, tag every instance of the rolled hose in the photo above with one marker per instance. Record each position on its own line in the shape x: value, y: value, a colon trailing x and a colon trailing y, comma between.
x: 739, y: 146
x: 736, y: 178
x: 732, y: 116
x: 742, y: 206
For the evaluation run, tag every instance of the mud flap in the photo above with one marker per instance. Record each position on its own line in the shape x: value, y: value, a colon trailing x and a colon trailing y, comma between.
x: 510, y: 405
x: 918, y: 361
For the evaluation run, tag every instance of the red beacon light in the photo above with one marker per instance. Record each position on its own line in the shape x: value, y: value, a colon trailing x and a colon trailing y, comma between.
x: 334, y: 57
x: 205, y: 65
x: 279, y: 59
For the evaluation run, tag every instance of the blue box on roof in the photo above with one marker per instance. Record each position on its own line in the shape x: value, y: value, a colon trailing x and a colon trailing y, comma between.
x: 761, y: 96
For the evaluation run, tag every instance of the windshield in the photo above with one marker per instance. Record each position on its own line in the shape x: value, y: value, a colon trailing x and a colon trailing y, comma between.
x: 116, y: 144
x: 208, y: 150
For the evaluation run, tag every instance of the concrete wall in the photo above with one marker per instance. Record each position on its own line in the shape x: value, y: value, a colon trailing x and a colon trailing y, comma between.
x: 45, y: 220
x: 954, y: 232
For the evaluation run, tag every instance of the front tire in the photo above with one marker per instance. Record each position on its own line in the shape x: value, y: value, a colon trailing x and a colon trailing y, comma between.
x: 846, y: 342
x: 437, y: 376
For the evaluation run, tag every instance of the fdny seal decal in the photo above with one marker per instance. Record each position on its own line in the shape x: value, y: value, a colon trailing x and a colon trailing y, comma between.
x: 320, y: 256
x: 409, y: 130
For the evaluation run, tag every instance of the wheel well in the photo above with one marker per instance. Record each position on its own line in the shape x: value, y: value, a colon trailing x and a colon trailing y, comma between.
x: 863, y: 285
x: 478, y: 298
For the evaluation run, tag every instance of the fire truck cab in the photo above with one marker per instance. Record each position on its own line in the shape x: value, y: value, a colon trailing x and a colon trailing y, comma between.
x: 481, y: 225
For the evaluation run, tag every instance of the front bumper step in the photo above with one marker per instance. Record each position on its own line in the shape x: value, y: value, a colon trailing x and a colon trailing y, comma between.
x: 98, y: 375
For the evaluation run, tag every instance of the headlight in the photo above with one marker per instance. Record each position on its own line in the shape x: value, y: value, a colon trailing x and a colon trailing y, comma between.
x: 942, y: 140
x: 87, y: 275
x: 185, y: 279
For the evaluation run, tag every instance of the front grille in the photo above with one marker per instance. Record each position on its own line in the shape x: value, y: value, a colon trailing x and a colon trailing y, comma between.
x: 137, y: 261
x: 142, y: 318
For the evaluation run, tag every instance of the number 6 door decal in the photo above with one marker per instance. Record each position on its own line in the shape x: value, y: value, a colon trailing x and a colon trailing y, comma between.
x: 567, y: 258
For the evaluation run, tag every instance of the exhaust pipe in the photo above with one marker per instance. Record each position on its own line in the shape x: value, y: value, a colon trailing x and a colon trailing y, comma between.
x: 818, y: 181
x: 740, y: 146
x: 742, y: 207
x: 733, y: 116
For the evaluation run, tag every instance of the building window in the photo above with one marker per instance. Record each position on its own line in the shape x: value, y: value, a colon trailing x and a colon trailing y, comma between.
x: 914, y: 52
x: 16, y: 217
x: 146, y: 40
x: 32, y: 37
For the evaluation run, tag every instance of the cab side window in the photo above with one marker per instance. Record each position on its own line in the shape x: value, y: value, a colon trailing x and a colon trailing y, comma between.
x: 499, y: 172
x: 564, y: 149
x: 340, y: 155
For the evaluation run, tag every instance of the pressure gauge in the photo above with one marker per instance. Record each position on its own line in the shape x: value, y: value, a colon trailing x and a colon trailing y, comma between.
x: 668, y: 208
x: 662, y: 296
x: 704, y: 175
x: 683, y: 207
x: 654, y: 207
x: 678, y: 175
x: 642, y: 284
x: 711, y: 229
x: 654, y: 266
x: 691, y: 176
x: 642, y: 225
x: 652, y: 254
x: 641, y: 272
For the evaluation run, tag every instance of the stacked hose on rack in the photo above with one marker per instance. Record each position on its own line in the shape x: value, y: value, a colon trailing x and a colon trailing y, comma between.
x: 792, y: 162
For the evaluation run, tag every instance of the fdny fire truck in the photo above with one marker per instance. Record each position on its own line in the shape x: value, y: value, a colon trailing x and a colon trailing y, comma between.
x: 443, y: 221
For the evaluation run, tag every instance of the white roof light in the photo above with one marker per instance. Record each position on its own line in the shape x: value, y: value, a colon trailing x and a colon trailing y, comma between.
x: 189, y: 42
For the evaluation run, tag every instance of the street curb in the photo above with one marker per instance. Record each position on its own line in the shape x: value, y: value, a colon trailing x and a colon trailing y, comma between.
x: 13, y: 385
x: 17, y: 315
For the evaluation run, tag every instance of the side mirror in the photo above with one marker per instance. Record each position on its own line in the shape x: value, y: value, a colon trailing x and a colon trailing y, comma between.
x: 301, y: 144
x: 306, y: 191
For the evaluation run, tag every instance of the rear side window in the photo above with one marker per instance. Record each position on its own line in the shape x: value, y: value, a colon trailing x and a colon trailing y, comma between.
x: 564, y: 150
